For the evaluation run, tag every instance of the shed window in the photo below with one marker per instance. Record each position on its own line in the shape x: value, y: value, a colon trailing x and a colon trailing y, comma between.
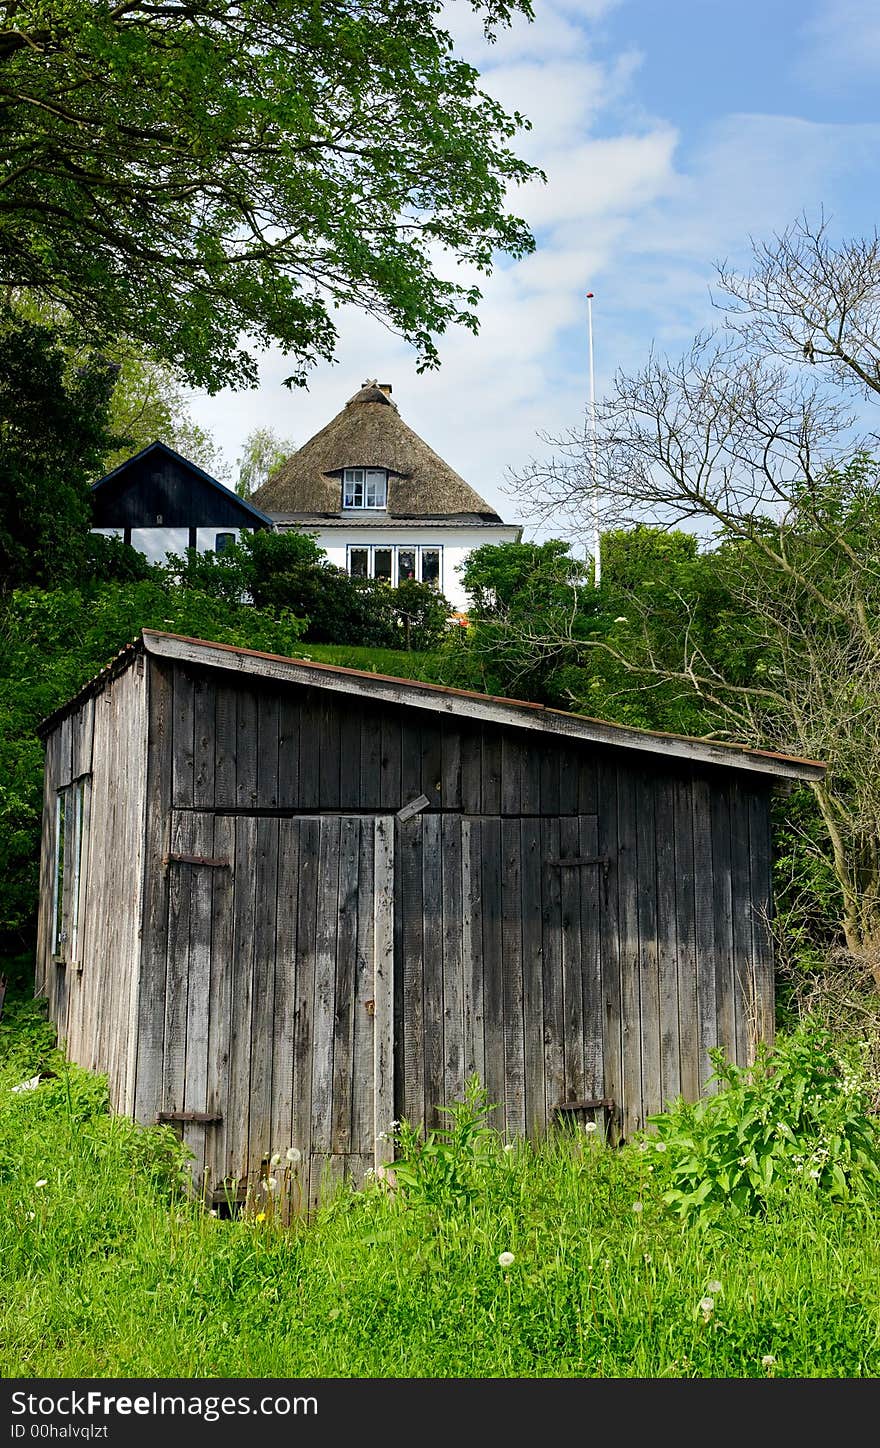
x: 364, y: 488
x: 223, y: 541
x: 71, y: 839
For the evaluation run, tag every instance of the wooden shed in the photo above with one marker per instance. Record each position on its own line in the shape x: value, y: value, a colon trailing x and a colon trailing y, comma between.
x: 283, y: 903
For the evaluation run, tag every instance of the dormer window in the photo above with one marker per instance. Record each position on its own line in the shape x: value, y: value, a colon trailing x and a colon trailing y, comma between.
x: 364, y: 488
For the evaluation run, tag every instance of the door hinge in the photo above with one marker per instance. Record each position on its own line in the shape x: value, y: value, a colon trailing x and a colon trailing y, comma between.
x: 198, y: 1118
x: 211, y: 861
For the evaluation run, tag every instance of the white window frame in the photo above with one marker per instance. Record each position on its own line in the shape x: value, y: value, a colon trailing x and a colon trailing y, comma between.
x: 69, y: 869
x: 417, y: 548
x: 361, y: 487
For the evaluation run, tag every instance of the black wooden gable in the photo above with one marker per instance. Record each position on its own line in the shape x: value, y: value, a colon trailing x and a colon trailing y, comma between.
x: 157, y: 488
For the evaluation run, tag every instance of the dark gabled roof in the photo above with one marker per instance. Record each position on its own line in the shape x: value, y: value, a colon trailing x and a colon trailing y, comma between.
x: 438, y: 699
x: 370, y: 433
x: 229, y: 496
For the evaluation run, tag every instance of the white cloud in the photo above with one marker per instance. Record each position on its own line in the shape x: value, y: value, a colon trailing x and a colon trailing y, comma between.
x: 840, y: 43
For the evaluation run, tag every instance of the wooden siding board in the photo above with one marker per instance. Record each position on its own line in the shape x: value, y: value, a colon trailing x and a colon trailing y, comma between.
x: 268, y: 746
x: 222, y: 967
x: 157, y: 843
x: 554, y: 1000
x: 350, y: 759
x: 705, y: 951
x: 244, y: 908
x: 761, y: 872
x: 549, y: 760
x: 450, y: 765
x: 685, y: 911
x: 181, y: 886
x: 365, y: 1002
x: 630, y: 966
x: 390, y: 789
x: 288, y: 750
x: 328, y: 791
x: 198, y: 995
x: 592, y: 879
x: 371, y: 759
x: 722, y: 913
x: 533, y: 986
x: 453, y: 959
x: 571, y: 887
x: 610, y: 948
x: 410, y: 957
x: 246, y: 749
x: 512, y: 978
x: 309, y: 750
x: 490, y: 767
x: 667, y: 952
x: 471, y: 769
x: 489, y: 830
x: 385, y: 970
x: 309, y: 833
x: 260, y: 1141
x: 512, y: 753
x: 432, y: 763
x: 204, y: 741
x: 743, y: 945
x: 433, y: 906
x: 324, y: 1002
x: 225, y: 739
x: 410, y: 760
x: 183, y: 739
x: 81, y: 744
x: 349, y: 905
x: 472, y: 947
x: 648, y: 823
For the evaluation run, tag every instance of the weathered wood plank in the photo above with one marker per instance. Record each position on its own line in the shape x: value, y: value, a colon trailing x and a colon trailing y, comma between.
x: 433, y: 905
x: 371, y: 758
x: 628, y: 926
x: 610, y: 941
x: 761, y: 876
x: 181, y: 886
x: 346, y: 975
x: 244, y: 906
x: 284, y: 1019
x: 226, y: 743
x: 365, y: 1005
x: 324, y: 1002
x: 453, y: 981
x: 384, y: 990
x: 553, y: 992
x: 198, y: 994
x: 571, y: 937
x: 667, y: 941
x: 260, y: 1141
x: 512, y: 978
x: 533, y: 986
x: 512, y: 756
x: 288, y: 750
x: 549, y: 756
x: 745, y: 996
x: 705, y: 955
x: 410, y: 958
x: 328, y: 790
x: 450, y: 765
x: 591, y: 961
x: 310, y: 750
x: 493, y: 986
x: 390, y: 789
x: 222, y: 968
x: 268, y: 749
x: 309, y: 832
x: 491, y: 773
x: 204, y: 741
x: 471, y: 769
x: 246, y: 750
x: 472, y: 949
x: 81, y: 744
x: 410, y: 760
x: 157, y: 843
x: 432, y: 762
x: 183, y: 739
x: 685, y: 910
x: 350, y: 759
x: 647, y: 824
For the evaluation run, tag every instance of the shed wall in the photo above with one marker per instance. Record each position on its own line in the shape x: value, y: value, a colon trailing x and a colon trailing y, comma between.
x: 503, y: 959
x: 93, y: 998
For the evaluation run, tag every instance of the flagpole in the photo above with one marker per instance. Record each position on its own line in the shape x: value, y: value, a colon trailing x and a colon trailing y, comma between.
x: 594, y: 451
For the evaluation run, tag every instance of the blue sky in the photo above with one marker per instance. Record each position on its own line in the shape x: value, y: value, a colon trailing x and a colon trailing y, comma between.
x: 670, y: 131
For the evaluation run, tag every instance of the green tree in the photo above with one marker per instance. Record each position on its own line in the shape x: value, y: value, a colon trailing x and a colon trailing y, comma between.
x: 209, y: 176
x: 54, y: 436
x: 263, y: 451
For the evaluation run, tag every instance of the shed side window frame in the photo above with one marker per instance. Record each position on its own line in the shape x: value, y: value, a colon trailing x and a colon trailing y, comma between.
x: 72, y: 810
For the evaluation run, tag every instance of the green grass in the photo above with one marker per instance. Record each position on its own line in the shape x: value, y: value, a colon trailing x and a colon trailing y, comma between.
x: 109, y: 1272
x: 397, y: 662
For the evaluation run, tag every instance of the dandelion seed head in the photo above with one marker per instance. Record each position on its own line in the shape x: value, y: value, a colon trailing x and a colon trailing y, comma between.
x: 505, y: 1259
x: 768, y: 1360
x: 707, y: 1307
x: 713, y: 1286
x: 294, y: 1155
x: 271, y: 1184
x: 659, y: 1145
x: 43, y: 1182
x: 638, y: 1207
x: 590, y: 1126
x: 275, y: 1158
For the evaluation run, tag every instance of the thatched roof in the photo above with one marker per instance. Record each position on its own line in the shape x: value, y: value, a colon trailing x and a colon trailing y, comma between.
x: 370, y: 433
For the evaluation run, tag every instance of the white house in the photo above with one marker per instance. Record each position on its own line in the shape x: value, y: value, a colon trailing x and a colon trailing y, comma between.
x: 161, y: 503
x: 379, y: 501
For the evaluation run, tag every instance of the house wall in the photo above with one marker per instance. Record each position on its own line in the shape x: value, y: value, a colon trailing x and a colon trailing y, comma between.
x: 93, y: 997
x: 572, y: 921
x: 157, y: 544
x: 456, y: 544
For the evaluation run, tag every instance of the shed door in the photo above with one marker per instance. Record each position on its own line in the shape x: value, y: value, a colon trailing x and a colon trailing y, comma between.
x: 278, y: 1013
x: 497, y: 963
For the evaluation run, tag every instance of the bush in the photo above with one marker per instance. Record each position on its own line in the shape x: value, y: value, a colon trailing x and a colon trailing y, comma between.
x: 800, y: 1117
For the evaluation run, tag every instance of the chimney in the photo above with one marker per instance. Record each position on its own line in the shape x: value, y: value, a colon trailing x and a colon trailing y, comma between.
x: 386, y: 388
